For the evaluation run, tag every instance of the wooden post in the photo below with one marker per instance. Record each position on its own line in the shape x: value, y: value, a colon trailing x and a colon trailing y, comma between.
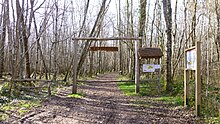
x: 198, y: 79
x: 49, y: 88
x: 74, y: 85
x: 186, y: 87
x: 137, y: 69
x: 186, y: 82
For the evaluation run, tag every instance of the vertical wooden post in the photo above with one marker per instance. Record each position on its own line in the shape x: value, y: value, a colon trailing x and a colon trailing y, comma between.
x: 49, y: 88
x: 74, y: 85
x: 186, y: 82
x: 137, y: 69
x: 186, y: 87
x: 198, y: 79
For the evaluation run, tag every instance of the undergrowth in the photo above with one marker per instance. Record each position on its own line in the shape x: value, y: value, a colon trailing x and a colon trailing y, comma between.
x: 18, y: 101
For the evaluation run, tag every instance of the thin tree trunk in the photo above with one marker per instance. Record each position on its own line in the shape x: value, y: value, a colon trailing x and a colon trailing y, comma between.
x: 56, y: 40
x: 194, y: 24
x: 152, y: 24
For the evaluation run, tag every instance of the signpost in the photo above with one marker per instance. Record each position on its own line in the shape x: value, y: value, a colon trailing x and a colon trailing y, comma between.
x: 193, y: 63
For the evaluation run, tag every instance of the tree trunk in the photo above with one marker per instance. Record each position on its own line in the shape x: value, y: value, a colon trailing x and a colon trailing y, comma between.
x: 217, y: 40
x: 2, y: 37
x: 24, y: 38
x: 194, y: 24
x: 142, y: 19
x: 168, y: 19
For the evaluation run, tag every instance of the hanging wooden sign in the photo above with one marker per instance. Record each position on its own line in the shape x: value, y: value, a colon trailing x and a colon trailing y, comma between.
x: 103, y: 48
x: 148, y: 53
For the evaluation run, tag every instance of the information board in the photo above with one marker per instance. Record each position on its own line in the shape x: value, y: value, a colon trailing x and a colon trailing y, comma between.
x: 150, y: 67
x: 191, y: 59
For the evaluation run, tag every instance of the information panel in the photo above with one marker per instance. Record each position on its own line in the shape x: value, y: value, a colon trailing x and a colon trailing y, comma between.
x: 150, y: 67
x: 191, y: 59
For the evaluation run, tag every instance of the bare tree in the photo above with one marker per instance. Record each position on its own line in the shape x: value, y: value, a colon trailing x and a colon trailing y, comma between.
x: 94, y: 33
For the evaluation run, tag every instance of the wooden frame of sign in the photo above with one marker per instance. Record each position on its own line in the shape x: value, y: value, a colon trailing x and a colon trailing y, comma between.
x: 193, y: 63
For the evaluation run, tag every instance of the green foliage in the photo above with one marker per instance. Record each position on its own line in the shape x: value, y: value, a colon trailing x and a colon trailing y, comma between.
x: 177, y: 88
x: 4, y: 91
x: 128, y: 88
x: 121, y: 77
x: 150, y: 89
x: 212, y: 120
x: 77, y: 95
x: 3, y: 116
x: 211, y: 106
x: 146, y: 89
x: 176, y: 100
x: 18, y: 107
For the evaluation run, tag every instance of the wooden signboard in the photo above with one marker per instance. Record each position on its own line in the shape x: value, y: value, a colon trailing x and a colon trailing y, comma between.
x: 193, y: 63
x: 104, y: 49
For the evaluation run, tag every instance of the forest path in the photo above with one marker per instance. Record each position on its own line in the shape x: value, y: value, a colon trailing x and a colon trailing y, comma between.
x: 104, y: 103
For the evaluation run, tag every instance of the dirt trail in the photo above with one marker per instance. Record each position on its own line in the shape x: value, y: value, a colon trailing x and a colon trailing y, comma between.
x: 104, y: 103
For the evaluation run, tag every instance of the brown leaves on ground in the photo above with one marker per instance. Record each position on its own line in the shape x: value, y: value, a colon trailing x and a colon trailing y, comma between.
x: 104, y: 103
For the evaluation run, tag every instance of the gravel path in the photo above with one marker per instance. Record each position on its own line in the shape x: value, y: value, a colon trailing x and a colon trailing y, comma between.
x: 104, y: 103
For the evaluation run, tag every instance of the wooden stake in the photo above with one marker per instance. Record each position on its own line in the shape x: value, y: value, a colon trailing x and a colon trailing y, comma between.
x: 74, y: 86
x: 198, y: 79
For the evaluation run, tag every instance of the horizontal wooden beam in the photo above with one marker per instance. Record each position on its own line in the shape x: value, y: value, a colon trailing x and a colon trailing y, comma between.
x: 107, y: 38
x: 191, y: 48
x: 103, y: 81
x: 30, y: 80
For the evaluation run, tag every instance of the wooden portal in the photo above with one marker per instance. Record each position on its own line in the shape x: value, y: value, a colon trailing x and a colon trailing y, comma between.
x: 137, y: 69
x: 109, y: 49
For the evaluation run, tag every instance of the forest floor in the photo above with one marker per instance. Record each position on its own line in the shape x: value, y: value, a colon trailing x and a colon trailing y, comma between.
x: 104, y: 103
